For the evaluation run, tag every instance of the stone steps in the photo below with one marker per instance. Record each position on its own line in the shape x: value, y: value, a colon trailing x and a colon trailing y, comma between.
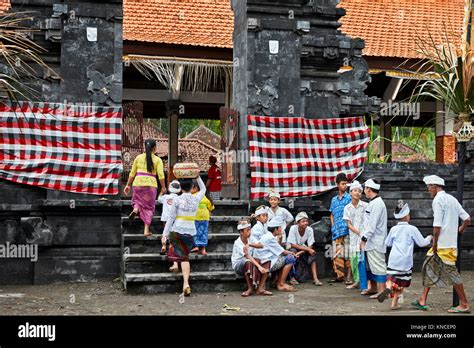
x: 155, y: 283
x: 146, y: 270
x: 157, y: 263
x: 217, y: 224
x: 220, y: 242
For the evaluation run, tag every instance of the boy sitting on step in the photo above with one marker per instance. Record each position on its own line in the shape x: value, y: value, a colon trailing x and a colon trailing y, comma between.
x: 281, y: 260
x: 244, y: 264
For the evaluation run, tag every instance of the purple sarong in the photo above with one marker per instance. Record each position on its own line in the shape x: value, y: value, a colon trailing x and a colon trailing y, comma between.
x: 144, y: 199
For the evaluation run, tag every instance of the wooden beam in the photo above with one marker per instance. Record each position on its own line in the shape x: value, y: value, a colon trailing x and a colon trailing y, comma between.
x: 160, y: 49
x: 162, y: 95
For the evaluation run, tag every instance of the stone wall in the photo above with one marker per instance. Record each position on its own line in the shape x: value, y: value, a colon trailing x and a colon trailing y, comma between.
x: 89, y: 66
x: 79, y: 236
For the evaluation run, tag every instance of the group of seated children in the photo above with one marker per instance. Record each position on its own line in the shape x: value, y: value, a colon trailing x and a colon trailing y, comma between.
x: 265, y: 249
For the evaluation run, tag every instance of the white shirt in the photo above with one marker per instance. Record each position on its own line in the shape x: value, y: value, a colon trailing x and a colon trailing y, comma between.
x: 258, y: 230
x: 183, y: 212
x: 271, y: 249
x: 446, y: 212
x: 238, y: 252
x: 286, y: 217
x: 402, y: 239
x: 294, y: 237
x: 356, y: 216
x: 375, y: 225
x: 167, y: 201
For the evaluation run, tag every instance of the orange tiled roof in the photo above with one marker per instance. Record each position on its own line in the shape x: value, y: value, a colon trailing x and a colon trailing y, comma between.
x: 388, y: 26
x: 185, y: 22
x: 206, y: 135
x: 189, y: 150
x: 4, y: 5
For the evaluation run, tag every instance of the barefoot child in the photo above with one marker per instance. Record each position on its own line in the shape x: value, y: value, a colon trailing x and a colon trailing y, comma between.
x: 402, y: 238
x: 354, y: 215
x: 244, y: 264
x: 281, y: 260
x: 301, y: 241
x: 167, y: 201
x: 203, y: 216
x: 276, y: 210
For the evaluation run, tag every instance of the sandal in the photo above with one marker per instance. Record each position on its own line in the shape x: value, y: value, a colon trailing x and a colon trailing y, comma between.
x: 187, y: 291
x: 348, y: 282
x: 163, y: 250
x: 331, y: 281
x: 395, y: 308
x: 294, y: 282
x: 246, y: 293
x: 317, y: 283
x: 384, y: 295
x: 174, y: 269
x: 265, y: 293
x: 367, y: 293
x: 418, y: 306
x: 133, y: 215
x: 458, y: 310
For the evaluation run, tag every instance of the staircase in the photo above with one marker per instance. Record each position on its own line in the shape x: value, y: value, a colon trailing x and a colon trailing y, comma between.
x: 145, y: 270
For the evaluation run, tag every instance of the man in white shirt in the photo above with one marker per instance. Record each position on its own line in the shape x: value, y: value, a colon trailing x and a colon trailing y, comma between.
x: 281, y: 260
x: 354, y: 215
x: 373, y: 238
x: 242, y: 262
x: 439, y: 268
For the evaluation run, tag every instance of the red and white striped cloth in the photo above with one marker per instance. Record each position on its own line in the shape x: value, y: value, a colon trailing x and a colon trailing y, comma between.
x: 61, y: 147
x: 301, y: 157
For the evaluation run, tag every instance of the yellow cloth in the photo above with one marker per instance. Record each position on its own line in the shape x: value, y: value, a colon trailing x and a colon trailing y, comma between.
x: 204, y: 210
x: 139, y: 166
x: 448, y: 255
x: 187, y: 218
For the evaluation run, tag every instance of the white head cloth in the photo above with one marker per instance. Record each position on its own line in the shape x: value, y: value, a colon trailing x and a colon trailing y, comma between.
x: 243, y: 226
x: 301, y: 215
x: 355, y: 185
x: 262, y: 210
x: 433, y: 180
x: 174, y: 187
x: 372, y: 184
x: 404, y: 212
x: 273, y: 193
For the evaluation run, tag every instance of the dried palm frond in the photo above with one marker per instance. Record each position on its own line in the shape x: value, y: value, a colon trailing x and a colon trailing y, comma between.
x: 19, y: 56
x: 178, y: 74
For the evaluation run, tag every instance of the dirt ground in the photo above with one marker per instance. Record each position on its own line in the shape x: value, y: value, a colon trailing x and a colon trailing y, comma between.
x: 107, y: 298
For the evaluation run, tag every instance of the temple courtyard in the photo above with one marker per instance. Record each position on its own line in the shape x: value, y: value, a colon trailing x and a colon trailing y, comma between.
x: 107, y: 298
